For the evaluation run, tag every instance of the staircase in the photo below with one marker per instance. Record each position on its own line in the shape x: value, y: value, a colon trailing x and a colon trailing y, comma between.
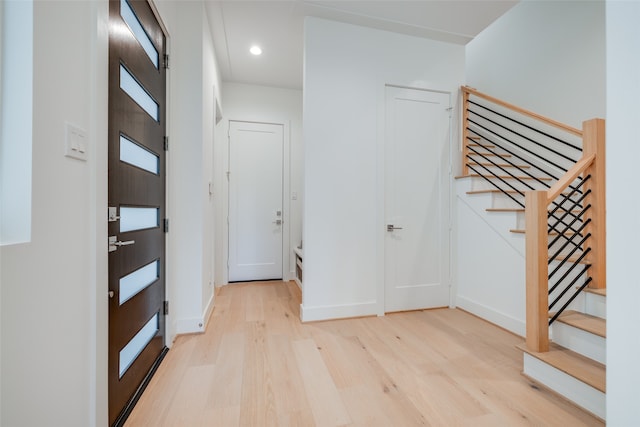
x: 542, y: 187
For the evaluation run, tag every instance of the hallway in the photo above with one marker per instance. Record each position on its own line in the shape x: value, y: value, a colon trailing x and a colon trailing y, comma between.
x: 257, y: 365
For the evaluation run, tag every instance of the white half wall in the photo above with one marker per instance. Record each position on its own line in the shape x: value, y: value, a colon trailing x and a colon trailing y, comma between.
x: 490, y: 286
x: 545, y: 56
x: 345, y: 71
x: 623, y: 205
x: 243, y: 102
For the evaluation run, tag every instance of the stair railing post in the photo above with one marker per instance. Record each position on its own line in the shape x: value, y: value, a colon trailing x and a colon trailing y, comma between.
x: 537, y: 256
x: 593, y: 142
x: 465, y: 132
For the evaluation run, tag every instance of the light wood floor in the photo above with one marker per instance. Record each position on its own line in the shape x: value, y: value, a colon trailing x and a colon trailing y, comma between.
x: 257, y: 365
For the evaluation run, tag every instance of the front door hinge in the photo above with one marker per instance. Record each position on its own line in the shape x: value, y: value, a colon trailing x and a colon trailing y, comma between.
x: 165, y: 59
x: 165, y: 225
x: 165, y: 308
x: 165, y: 143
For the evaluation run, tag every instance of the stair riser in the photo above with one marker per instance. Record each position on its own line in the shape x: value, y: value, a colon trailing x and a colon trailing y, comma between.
x: 581, y: 394
x: 502, y: 201
x: 578, y: 303
x: 583, y: 342
x: 596, y: 305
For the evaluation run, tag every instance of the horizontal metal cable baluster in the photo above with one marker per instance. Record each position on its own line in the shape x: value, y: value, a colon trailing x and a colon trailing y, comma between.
x: 569, y: 270
x: 495, y: 153
x: 566, y: 288
x: 557, y: 153
x: 568, y: 227
x: 566, y: 258
x: 519, y: 158
x: 521, y: 170
x: 497, y: 165
x: 574, y: 204
x: 492, y: 183
x: 569, y: 240
x: 575, y: 147
x: 567, y: 212
x: 580, y: 289
x: 563, y: 169
x: 568, y: 197
x: 576, y: 217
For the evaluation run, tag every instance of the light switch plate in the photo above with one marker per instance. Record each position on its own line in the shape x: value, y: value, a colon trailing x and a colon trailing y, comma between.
x: 75, y: 142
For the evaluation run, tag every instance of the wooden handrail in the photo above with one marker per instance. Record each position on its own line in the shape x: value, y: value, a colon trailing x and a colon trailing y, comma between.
x: 551, y: 122
x: 566, y: 180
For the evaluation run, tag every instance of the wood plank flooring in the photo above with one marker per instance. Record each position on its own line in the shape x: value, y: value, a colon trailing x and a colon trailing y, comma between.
x: 257, y: 365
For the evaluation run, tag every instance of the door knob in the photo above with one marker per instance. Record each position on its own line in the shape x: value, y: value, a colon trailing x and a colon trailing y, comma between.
x: 391, y: 227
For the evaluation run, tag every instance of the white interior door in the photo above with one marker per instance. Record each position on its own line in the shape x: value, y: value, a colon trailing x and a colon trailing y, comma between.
x: 416, y: 199
x: 255, y: 201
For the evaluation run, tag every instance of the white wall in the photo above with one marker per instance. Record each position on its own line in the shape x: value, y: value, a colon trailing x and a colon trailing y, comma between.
x: 192, y: 78
x: 548, y: 57
x: 269, y: 105
x: 545, y: 56
x: 54, y: 287
x: 346, y: 68
x: 623, y: 152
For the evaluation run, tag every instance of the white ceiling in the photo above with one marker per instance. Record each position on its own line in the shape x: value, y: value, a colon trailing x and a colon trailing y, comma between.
x: 277, y: 26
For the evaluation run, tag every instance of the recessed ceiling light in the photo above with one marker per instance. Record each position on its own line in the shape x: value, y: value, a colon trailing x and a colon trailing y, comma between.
x: 255, y: 50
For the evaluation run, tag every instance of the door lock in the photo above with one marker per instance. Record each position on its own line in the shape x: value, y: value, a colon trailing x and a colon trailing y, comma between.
x: 391, y: 227
x: 278, y: 222
x: 113, y: 214
x: 114, y: 243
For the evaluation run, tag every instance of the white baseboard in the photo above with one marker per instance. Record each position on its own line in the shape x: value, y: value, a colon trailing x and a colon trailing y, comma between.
x: 195, y: 325
x: 209, y: 309
x: 191, y: 325
x: 489, y: 314
x: 329, y: 312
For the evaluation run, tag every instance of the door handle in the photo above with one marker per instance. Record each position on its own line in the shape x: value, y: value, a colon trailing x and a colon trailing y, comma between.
x: 391, y: 227
x: 127, y: 243
x: 114, y: 243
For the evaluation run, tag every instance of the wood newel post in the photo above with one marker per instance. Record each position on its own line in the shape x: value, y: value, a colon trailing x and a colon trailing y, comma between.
x: 465, y: 131
x: 537, y: 256
x: 593, y: 142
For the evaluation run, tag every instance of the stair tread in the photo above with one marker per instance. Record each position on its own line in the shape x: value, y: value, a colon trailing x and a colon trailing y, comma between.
x: 597, y: 291
x: 586, y: 322
x: 474, y: 175
x: 505, y: 209
x: 491, y: 154
x: 502, y: 165
x: 552, y: 233
x: 578, y: 366
x: 573, y: 259
x: 493, y: 190
x: 473, y: 144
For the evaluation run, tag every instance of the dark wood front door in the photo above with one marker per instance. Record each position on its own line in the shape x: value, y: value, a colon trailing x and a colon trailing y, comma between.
x: 137, y: 85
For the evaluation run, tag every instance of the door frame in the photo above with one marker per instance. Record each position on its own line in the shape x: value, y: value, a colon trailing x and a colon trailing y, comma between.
x: 287, y: 253
x: 380, y: 189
